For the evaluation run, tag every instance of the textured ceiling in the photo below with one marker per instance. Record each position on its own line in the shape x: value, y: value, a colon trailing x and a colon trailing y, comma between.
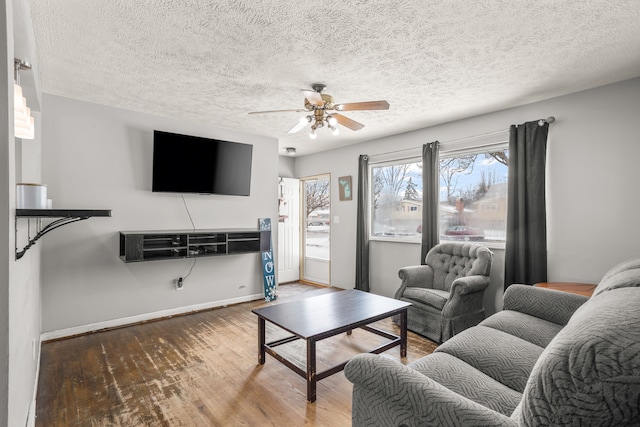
x: 433, y: 61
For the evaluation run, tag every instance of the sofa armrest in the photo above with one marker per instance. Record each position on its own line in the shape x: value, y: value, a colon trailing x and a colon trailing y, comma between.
x: 394, y: 394
x: 415, y: 276
x: 548, y: 304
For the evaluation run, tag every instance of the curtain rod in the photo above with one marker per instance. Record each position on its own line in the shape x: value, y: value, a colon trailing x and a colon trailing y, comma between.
x: 541, y: 122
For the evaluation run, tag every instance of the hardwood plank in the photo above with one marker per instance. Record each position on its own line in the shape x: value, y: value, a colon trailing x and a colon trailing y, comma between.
x: 200, y: 369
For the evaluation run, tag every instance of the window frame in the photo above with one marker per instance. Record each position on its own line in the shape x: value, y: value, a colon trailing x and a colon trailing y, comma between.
x: 459, y: 148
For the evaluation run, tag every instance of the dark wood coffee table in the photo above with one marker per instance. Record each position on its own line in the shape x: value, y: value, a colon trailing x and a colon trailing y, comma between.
x: 319, y: 317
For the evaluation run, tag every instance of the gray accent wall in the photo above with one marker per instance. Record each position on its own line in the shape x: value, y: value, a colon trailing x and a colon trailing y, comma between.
x: 287, y: 167
x: 98, y: 157
x: 593, y: 200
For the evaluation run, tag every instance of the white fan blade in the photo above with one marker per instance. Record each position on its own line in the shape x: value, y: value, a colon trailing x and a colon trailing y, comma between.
x: 297, y: 110
x: 313, y: 97
x: 299, y: 126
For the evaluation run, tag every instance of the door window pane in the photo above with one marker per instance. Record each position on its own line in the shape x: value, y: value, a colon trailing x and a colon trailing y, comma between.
x: 317, y: 210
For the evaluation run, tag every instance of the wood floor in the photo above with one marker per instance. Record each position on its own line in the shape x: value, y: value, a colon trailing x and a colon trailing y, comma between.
x: 199, y: 369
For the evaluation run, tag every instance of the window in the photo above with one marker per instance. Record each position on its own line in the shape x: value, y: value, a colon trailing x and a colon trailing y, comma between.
x: 473, y: 196
x: 396, y: 189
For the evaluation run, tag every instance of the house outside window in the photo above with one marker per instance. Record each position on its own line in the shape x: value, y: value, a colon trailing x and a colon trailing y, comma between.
x: 473, y: 197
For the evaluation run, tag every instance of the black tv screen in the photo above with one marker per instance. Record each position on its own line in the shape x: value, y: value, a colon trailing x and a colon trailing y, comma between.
x: 191, y: 164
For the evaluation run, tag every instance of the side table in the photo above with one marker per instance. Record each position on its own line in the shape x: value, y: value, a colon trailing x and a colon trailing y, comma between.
x: 585, y: 289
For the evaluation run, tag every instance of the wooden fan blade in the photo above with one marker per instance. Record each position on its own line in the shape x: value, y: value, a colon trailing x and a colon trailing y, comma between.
x: 299, y: 126
x: 368, y: 105
x: 313, y: 97
x: 347, y: 122
x: 299, y: 110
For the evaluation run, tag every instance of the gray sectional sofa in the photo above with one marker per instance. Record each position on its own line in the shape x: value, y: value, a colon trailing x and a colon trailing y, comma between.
x: 548, y: 358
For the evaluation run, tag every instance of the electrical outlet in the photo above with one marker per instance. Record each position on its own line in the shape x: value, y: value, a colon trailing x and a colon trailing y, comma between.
x: 179, y: 284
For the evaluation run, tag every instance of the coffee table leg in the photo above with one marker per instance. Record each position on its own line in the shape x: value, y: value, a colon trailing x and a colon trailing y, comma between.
x: 311, y: 370
x: 261, y: 340
x: 403, y: 333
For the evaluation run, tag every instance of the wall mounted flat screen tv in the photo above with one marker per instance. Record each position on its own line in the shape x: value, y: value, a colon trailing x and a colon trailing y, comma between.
x: 191, y: 164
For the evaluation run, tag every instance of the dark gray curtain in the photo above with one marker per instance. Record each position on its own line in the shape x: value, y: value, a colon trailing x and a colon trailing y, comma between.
x: 362, y: 226
x: 430, y: 198
x: 526, y: 247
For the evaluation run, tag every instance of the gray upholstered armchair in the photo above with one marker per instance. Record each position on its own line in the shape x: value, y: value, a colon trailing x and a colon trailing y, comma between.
x: 447, y: 293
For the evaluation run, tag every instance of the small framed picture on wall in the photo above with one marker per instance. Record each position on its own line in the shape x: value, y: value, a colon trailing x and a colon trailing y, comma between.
x: 344, y: 188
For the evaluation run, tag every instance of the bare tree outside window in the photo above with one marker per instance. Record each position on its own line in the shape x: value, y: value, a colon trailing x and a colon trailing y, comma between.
x: 317, y: 196
x: 452, y: 169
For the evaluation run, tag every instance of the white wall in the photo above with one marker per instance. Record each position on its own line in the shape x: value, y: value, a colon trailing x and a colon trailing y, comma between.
x: 98, y: 157
x: 592, y: 197
x: 6, y: 215
x: 286, y: 167
x: 19, y: 279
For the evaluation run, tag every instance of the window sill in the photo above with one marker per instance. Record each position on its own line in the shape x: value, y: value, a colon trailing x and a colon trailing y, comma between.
x: 393, y: 239
x: 490, y: 245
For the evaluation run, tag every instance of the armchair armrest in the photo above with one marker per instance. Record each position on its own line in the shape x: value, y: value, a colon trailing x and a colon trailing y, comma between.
x: 469, y: 284
x: 415, y: 276
x: 466, y: 295
x: 386, y: 392
x: 548, y: 304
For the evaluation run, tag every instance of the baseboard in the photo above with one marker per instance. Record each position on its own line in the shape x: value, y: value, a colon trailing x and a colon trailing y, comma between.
x: 312, y: 283
x: 31, y: 416
x: 131, y: 320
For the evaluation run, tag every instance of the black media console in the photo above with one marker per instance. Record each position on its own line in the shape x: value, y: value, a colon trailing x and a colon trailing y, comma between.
x: 155, y: 245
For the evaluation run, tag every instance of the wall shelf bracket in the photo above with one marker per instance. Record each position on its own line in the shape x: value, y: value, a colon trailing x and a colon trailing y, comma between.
x: 65, y: 216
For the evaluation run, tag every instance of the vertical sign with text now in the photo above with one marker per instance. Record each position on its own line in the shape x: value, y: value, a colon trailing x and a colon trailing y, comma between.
x: 266, y: 253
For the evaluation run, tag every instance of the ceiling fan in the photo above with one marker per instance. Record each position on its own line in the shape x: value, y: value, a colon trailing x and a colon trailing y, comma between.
x: 320, y: 106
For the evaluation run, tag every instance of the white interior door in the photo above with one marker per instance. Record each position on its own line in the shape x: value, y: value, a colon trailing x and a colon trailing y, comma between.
x: 288, y: 230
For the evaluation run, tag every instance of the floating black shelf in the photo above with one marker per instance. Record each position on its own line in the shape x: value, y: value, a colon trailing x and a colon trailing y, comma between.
x: 152, y: 245
x: 65, y: 216
x: 61, y: 213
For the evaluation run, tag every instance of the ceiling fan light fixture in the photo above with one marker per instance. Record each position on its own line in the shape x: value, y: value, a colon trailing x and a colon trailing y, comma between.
x: 320, y: 108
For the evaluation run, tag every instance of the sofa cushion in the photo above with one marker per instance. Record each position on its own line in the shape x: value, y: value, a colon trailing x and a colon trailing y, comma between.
x: 530, y: 328
x: 624, y: 275
x: 505, y: 358
x: 467, y: 381
x: 590, y: 373
x: 433, y: 297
